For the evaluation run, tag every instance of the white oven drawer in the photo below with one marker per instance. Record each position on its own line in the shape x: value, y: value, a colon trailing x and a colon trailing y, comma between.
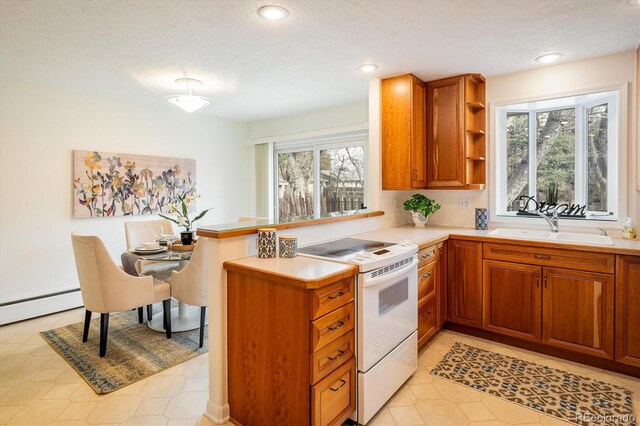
x: 387, y: 313
x: 377, y: 385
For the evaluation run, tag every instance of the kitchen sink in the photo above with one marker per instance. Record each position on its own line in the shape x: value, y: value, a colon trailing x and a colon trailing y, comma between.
x: 556, y: 237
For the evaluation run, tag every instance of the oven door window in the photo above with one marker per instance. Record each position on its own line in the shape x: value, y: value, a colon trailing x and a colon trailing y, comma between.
x: 393, y: 296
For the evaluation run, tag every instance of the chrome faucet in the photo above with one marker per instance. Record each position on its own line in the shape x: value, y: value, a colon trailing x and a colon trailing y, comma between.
x: 553, y: 221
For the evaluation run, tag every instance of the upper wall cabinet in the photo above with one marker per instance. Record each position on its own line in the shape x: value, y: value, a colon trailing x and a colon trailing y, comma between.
x: 455, y: 143
x: 403, y: 132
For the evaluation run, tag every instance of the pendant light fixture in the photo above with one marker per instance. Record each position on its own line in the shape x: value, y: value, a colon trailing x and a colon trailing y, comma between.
x: 189, y: 102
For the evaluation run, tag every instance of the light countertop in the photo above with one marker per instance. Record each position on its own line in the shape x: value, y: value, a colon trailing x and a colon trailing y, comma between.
x: 434, y: 234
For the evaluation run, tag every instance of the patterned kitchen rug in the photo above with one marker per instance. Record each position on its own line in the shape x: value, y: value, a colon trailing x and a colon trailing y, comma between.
x: 566, y: 396
x: 134, y: 351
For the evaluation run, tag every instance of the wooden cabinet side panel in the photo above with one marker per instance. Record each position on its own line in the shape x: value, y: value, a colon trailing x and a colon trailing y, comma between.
x: 418, y: 137
x: 445, y: 133
x: 442, y: 287
x: 464, y: 275
x: 628, y: 310
x: 396, y: 132
x: 512, y: 299
x: 268, y: 351
x: 578, y: 311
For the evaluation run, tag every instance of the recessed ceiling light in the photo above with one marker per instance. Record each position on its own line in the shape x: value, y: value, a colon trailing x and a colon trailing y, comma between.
x: 547, y: 58
x: 367, y: 67
x: 273, y: 13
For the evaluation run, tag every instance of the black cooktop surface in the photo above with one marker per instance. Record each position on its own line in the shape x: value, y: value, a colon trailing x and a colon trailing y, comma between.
x: 343, y: 248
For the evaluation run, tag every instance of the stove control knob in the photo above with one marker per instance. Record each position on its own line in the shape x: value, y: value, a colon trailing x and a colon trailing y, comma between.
x: 360, y: 256
x: 405, y: 243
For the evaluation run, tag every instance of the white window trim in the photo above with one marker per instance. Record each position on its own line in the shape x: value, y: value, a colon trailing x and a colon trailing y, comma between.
x: 622, y: 151
x: 316, y: 144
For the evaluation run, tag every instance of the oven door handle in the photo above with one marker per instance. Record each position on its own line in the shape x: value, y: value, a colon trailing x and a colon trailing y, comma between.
x: 375, y: 281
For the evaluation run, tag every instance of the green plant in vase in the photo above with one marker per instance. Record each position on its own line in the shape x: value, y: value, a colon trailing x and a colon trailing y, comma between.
x: 180, y: 208
x: 420, y: 207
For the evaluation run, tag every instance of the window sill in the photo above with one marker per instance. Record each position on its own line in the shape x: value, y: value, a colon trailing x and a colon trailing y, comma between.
x: 608, y: 222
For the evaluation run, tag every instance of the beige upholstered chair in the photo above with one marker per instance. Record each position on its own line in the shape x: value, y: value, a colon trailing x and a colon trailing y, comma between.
x: 141, y: 232
x: 106, y: 288
x: 190, y: 284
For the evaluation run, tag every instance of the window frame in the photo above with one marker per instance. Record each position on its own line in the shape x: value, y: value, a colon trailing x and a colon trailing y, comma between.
x: 616, y: 98
x: 315, y: 146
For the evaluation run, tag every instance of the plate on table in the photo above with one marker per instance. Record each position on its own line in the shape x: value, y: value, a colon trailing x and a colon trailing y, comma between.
x: 143, y: 250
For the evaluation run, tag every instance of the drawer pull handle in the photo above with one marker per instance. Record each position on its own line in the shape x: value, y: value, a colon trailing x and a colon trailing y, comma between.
x: 340, y: 325
x: 542, y: 256
x: 333, y: 358
x: 342, y: 383
x: 426, y: 314
x: 340, y: 294
x: 426, y: 255
x: 425, y: 276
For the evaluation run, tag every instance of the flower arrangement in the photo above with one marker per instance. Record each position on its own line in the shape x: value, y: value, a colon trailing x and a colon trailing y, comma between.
x: 180, y: 209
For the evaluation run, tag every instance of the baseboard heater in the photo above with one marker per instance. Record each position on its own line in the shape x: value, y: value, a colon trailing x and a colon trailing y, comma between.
x: 37, y: 306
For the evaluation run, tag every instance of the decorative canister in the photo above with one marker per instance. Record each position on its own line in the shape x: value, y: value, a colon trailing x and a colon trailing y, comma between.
x: 266, y: 243
x: 482, y: 219
x: 288, y: 246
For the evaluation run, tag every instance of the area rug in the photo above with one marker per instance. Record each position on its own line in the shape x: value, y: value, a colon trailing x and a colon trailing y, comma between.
x: 134, y: 351
x: 566, y: 396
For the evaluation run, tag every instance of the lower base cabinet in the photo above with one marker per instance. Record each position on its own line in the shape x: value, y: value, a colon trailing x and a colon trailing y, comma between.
x: 334, y: 396
x: 427, y: 321
x: 578, y: 310
x: 512, y: 299
x: 628, y: 310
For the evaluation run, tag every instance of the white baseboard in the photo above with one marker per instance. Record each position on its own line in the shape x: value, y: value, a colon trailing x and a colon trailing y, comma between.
x: 38, y: 307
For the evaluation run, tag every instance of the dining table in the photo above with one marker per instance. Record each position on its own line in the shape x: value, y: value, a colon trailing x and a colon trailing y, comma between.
x: 160, y: 265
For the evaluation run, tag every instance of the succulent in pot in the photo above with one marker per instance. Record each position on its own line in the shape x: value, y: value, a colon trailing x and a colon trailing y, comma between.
x: 420, y: 207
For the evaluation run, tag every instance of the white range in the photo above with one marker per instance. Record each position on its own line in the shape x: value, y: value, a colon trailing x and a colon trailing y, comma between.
x: 387, y: 315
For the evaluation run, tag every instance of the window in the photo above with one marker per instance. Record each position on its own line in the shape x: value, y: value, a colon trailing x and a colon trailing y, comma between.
x: 319, y: 179
x: 560, y: 151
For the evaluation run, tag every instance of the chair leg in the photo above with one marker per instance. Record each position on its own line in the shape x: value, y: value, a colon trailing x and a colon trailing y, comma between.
x: 149, y: 312
x: 166, y: 307
x: 104, y: 329
x: 140, y: 318
x: 87, y: 321
x: 203, y: 312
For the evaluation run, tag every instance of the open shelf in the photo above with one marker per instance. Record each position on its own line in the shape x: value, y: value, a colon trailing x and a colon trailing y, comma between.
x: 475, y: 132
x: 475, y: 106
x: 475, y: 158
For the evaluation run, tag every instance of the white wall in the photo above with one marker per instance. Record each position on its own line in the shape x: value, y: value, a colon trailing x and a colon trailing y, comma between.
x: 39, y: 128
x: 549, y: 81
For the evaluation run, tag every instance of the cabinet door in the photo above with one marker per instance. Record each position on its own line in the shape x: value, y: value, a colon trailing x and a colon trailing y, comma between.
x: 464, y: 276
x: 446, y: 155
x: 402, y: 130
x: 427, y: 319
x: 578, y: 311
x: 628, y: 310
x: 512, y: 299
x: 441, y: 292
x: 418, y: 129
x: 428, y: 277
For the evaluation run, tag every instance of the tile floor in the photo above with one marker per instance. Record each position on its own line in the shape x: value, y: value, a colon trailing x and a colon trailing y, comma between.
x: 39, y: 387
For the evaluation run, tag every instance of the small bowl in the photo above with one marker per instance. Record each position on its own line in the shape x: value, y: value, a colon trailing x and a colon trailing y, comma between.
x: 151, y: 245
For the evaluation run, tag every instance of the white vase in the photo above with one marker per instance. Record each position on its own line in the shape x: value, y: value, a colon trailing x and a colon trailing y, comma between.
x: 419, y: 219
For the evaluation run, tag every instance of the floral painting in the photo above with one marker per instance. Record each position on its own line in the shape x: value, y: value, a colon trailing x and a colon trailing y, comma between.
x: 108, y: 184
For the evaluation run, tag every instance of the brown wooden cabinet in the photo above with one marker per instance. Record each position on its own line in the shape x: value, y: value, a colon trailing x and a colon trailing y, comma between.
x: 441, y: 292
x: 628, y: 310
x: 578, y: 310
x: 512, y: 299
x: 403, y: 132
x: 455, y: 136
x: 291, y: 346
x: 464, y: 282
x: 430, y: 285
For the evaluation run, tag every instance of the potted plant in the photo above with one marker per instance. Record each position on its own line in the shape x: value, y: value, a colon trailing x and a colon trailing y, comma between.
x: 179, y: 208
x: 420, y: 207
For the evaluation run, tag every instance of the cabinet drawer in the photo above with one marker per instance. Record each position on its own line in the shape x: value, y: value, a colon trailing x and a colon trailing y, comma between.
x: 427, y: 279
x: 581, y: 260
x: 427, y: 317
x: 332, y: 356
x: 334, y: 398
x: 328, y: 298
x: 328, y: 328
x: 429, y: 254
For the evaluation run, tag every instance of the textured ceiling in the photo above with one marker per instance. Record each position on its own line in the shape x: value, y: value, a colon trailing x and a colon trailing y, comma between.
x: 256, y: 69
